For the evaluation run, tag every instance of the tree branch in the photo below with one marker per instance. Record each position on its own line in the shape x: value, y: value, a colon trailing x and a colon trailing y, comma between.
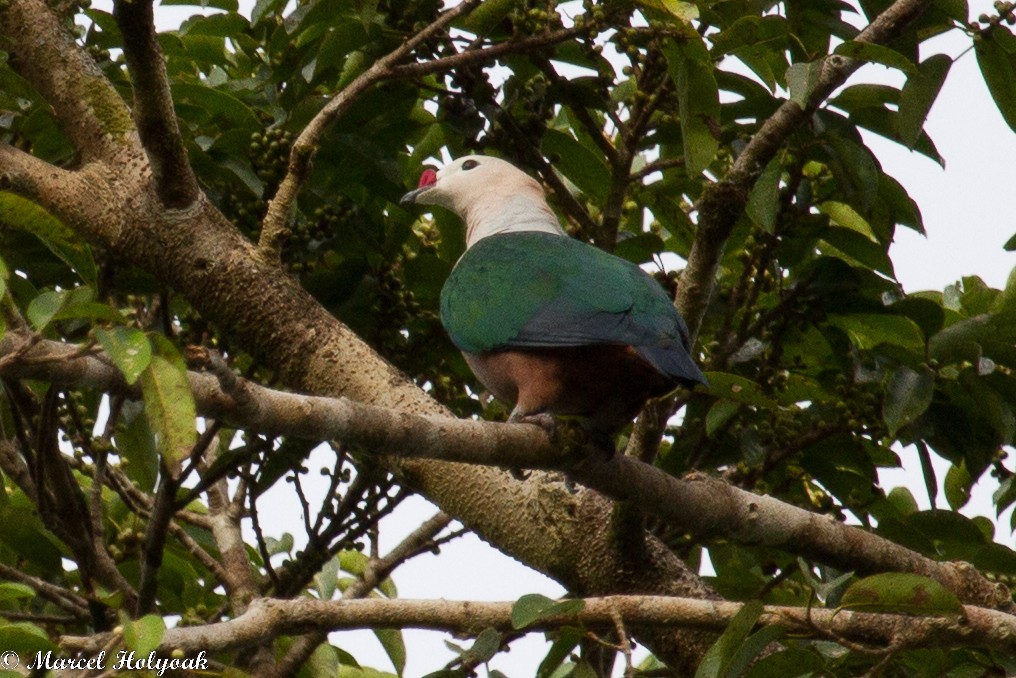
x: 154, y: 114
x: 704, y: 506
x: 376, y: 572
x: 280, y: 208
x: 91, y: 112
x: 723, y: 202
x: 268, y: 618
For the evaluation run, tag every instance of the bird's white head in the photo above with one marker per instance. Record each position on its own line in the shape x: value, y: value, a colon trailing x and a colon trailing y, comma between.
x: 489, y: 195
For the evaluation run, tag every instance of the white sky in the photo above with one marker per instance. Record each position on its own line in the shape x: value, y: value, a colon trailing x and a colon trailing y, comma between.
x: 967, y: 217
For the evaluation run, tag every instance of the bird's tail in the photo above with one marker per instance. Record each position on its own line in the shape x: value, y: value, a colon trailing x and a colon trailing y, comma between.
x: 674, y: 362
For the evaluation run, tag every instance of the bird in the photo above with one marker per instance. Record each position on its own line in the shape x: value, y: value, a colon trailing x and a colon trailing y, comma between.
x: 547, y: 323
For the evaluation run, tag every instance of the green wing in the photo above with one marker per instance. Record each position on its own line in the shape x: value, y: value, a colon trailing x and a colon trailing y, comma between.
x: 530, y: 289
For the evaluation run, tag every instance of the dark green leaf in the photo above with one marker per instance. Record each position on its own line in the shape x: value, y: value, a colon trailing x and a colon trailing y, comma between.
x: 999, y: 71
x: 394, y: 646
x: 128, y: 348
x: 17, y: 212
x: 957, y: 486
x: 485, y: 646
x: 764, y: 200
x: 691, y: 69
x: 918, y: 95
x: 737, y: 388
x: 719, y: 656
x: 801, y: 80
x: 217, y: 102
x: 145, y: 634
x: 169, y: 405
x: 533, y: 607
x: 580, y: 165
x: 901, y: 592
x: 879, y: 54
x: 868, y: 330
x: 907, y: 396
x: 928, y: 472
x: 488, y: 15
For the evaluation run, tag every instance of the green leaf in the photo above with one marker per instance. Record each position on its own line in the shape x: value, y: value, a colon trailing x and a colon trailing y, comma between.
x: 128, y: 348
x: 997, y: 67
x: 25, y: 215
x: 484, y: 647
x: 14, y: 591
x: 879, y: 54
x: 764, y: 200
x: 903, y: 500
x: 533, y: 607
x: 739, y: 389
x: 25, y: 638
x: 868, y: 330
x: 44, y: 308
x: 170, y: 408
x: 145, y: 634
x: 488, y: 15
x: 216, y: 102
x: 801, y: 81
x: 698, y: 100
x: 394, y: 646
x: 919, y: 93
x: 716, y: 659
x: 957, y: 486
x: 578, y: 163
x: 901, y: 592
x: 568, y: 638
x: 927, y: 472
x: 1005, y: 302
x: 326, y: 578
x: 907, y: 396
x: 719, y: 414
x: 792, y: 662
x: 683, y: 11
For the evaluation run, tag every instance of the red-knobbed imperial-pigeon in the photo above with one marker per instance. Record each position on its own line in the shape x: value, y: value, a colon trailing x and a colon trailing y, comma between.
x: 548, y: 323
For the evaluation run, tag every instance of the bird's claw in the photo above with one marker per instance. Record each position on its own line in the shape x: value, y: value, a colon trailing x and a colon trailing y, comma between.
x: 542, y: 419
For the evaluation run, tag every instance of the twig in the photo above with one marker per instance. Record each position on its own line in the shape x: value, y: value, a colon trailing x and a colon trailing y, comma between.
x: 418, y: 541
x: 280, y: 208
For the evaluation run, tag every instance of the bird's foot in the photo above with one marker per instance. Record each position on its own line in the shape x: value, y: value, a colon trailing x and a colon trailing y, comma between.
x: 541, y: 419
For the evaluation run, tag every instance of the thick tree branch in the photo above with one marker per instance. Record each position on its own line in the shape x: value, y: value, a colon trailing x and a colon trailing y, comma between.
x: 268, y: 618
x: 57, y: 190
x: 702, y: 505
x: 91, y: 112
x: 153, y: 109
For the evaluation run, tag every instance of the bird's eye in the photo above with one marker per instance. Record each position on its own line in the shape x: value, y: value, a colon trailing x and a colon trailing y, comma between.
x: 469, y: 164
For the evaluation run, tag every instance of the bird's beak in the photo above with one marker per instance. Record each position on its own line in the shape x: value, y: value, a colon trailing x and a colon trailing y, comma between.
x: 427, y: 181
x: 410, y: 198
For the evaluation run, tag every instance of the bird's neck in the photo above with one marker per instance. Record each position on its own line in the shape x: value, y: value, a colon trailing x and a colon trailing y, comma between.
x: 521, y: 212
